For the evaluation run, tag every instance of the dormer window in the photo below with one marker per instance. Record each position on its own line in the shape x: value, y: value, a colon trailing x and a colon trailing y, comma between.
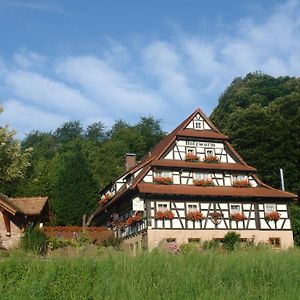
x: 191, y: 150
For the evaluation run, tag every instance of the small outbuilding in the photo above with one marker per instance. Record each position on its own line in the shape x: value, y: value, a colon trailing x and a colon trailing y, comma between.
x: 18, y: 214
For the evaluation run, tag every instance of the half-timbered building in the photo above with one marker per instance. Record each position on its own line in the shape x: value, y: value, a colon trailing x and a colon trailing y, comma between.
x: 193, y: 186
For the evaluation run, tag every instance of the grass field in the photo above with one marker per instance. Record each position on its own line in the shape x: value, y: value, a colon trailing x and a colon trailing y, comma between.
x: 248, y: 274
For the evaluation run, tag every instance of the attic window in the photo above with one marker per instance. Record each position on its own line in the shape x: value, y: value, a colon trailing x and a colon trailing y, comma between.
x: 190, y: 150
x: 198, y: 125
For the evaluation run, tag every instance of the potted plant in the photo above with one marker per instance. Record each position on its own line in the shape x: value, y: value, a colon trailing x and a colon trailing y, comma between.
x: 272, y: 216
x: 238, y: 217
x: 195, y: 215
x: 136, y: 218
x: 241, y: 183
x: 164, y: 215
x: 105, y: 198
x: 211, y: 159
x: 191, y: 157
x: 163, y: 180
x: 203, y: 182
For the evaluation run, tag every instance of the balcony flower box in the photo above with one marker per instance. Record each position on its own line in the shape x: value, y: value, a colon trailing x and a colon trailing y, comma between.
x: 203, y: 182
x: 164, y: 215
x: 272, y: 216
x: 194, y: 216
x: 191, y: 157
x: 241, y: 184
x: 238, y: 217
x: 163, y: 180
x: 211, y: 159
x: 105, y: 199
x: 136, y: 218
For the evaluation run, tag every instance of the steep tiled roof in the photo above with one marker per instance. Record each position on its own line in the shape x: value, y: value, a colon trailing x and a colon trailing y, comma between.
x: 201, y: 165
x: 150, y: 188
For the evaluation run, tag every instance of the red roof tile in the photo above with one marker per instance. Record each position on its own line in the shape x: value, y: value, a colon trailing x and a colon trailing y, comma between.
x: 190, y: 190
x: 201, y: 165
x: 205, y: 134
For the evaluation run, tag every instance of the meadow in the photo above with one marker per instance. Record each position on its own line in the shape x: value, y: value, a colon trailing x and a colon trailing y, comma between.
x: 242, y: 274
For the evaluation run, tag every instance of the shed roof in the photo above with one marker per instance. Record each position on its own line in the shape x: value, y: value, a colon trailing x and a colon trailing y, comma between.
x: 29, y: 206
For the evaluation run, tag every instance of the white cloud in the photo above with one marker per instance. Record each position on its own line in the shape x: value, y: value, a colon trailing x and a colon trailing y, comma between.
x: 166, y: 78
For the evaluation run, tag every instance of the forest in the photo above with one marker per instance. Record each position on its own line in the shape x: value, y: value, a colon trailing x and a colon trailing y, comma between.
x: 260, y: 113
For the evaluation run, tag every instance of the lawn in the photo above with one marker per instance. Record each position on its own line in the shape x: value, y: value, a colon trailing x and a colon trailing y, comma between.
x: 247, y: 274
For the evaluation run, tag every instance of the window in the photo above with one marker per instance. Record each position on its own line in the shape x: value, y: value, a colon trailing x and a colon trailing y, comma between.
x: 239, y: 177
x: 235, y: 208
x: 269, y: 208
x: 162, y: 206
x: 192, y: 207
x: 275, y: 242
x: 163, y: 174
x: 171, y: 240
x: 209, y: 152
x: 198, y: 125
x: 202, y: 176
x: 194, y: 240
x: 190, y: 150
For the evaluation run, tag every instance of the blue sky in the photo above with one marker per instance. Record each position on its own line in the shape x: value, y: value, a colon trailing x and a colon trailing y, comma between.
x: 106, y: 60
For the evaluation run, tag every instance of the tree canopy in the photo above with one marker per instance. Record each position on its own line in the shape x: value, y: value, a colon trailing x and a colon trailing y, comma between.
x: 261, y: 115
x: 13, y: 160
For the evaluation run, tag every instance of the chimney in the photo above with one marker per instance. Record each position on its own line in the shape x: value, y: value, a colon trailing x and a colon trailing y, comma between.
x: 129, y: 160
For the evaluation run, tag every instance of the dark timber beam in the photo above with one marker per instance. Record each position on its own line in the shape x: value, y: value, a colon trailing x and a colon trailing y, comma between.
x: 6, y: 222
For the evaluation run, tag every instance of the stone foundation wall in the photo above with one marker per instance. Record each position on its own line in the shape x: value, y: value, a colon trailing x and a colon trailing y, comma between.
x: 182, y: 236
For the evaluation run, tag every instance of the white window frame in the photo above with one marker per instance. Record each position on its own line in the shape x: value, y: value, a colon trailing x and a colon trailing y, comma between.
x: 167, y: 204
x: 210, y: 149
x: 163, y: 173
x: 198, y: 123
x: 192, y: 204
x: 239, y: 177
x: 270, y: 205
x: 198, y: 176
x: 187, y: 149
x: 234, y: 210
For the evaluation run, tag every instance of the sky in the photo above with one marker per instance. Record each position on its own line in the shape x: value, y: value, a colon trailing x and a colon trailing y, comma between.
x: 105, y: 60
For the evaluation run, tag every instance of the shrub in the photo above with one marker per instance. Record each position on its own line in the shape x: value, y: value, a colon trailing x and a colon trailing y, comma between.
x: 112, y: 242
x: 34, y: 241
x: 213, y: 244
x: 231, y: 240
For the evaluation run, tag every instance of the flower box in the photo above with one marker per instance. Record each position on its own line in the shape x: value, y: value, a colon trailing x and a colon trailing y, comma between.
x: 238, y: 217
x: 211, y: 159
x: 272, y: 216
x: 203, y: 182
x: 104, y: 199
x: 194, y: 215
x: 136, y: 218
x: 191, y: 157
x: 241, y: 184
x: 164, y: 215
x: 163, y: 180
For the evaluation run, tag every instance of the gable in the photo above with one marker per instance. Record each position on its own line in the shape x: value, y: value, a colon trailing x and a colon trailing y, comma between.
x: 198, y: 123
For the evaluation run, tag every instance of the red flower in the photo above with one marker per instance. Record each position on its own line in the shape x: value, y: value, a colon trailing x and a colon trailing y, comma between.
x: 191, y: 157
x: 203, y: 182
x: 163, y: 180
x: 238, y: 217
x: 164, y: 215
x: 272, y: 216
x: 241, y: 183
x: 211, y: 159
x: 194, y: 215
x: 136, y: 218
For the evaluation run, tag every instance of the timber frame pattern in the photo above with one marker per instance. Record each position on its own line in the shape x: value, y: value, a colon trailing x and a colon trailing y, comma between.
x: 215, y: 161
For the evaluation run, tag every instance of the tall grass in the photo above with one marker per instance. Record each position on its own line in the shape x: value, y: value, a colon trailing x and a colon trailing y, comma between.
x: 247, y: 274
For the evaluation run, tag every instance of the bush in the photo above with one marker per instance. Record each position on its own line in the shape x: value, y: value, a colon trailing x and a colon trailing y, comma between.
x: 231, y: 240
x: 34, y: 241
x: 112, y: 242
x: 213, y: 244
